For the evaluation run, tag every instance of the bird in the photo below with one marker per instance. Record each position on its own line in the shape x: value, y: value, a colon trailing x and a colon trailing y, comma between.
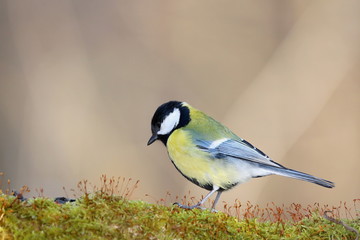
x: 210, y: 155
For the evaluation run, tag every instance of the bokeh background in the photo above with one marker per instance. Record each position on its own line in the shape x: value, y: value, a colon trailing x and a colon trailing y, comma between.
x: 80, y: 81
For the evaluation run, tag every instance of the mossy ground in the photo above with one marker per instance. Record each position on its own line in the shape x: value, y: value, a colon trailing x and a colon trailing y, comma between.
x: 105, y: 215
x: 109, y: 217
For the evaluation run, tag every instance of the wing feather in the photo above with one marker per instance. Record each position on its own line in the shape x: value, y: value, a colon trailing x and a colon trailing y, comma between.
x: 243, y: 150
x: 239, y: 149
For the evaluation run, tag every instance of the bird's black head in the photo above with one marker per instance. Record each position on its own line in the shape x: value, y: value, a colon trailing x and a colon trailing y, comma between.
x: 168, y: 117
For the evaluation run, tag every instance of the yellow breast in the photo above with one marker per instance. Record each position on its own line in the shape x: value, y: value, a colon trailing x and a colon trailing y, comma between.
x: 197, y: 164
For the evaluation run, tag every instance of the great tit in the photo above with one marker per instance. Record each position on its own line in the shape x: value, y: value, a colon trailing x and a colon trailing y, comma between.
x: 211, y: 156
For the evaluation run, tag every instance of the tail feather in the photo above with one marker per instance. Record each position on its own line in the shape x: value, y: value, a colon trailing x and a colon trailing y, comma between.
x: 286, y: 172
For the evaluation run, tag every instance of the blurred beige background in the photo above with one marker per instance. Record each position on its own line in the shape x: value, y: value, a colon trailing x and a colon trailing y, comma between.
x: 80, y: 81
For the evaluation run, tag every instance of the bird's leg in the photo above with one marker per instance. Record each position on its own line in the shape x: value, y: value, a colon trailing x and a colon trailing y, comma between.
x: 198, y: 205
x: 215, y: 201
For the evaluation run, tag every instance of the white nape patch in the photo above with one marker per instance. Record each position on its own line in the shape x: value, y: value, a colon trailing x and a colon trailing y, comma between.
x: 170, y: 122
x: 216, y: 143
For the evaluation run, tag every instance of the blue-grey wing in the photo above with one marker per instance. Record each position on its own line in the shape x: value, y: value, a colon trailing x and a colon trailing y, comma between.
x: 238, y: 149
x: 241, y: 150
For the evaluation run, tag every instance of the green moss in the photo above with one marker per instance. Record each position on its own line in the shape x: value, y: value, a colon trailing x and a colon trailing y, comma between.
x: 102, y: 216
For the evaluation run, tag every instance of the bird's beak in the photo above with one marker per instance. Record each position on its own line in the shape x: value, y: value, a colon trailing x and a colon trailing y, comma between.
x: 153, y: 138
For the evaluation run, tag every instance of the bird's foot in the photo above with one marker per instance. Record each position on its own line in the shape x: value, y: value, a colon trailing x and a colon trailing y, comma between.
x: 198, y: 206
x: 189, y: 207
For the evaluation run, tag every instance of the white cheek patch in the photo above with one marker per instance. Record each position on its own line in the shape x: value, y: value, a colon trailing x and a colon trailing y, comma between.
x: 170, y: 122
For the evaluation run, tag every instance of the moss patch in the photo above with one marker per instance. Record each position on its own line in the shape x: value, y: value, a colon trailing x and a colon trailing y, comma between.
x: 103, y: 216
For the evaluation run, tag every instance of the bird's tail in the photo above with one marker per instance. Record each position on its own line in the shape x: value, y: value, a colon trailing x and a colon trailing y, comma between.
x: 286, y: 172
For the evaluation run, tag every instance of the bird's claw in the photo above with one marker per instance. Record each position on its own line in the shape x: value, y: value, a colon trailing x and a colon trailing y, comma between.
x: 192, y: 207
